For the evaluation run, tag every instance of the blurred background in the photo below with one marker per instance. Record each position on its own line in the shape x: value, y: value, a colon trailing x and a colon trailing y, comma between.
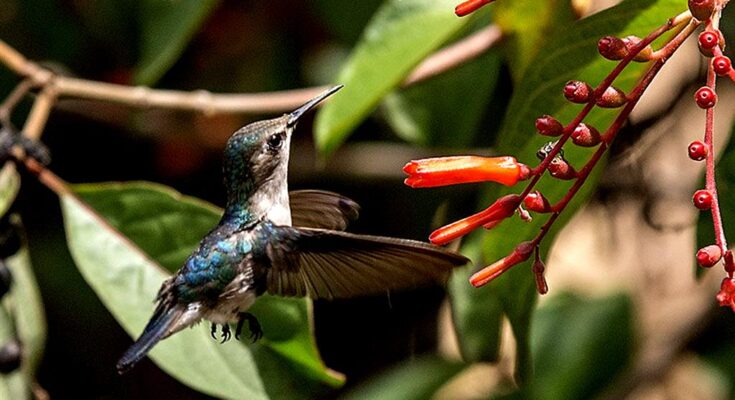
x: 625, y: 317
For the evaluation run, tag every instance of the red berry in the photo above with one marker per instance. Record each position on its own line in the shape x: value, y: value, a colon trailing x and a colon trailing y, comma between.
x: 705, y: 97
x: 612, y: 48
x: 586, y: 136
x: 559, y: 168
x: 548, y: 126
x: 709, y: 255
x: 697, y: 150
x: 702, y: 199
x: 577, y: 91
x: 721, y: 65
x: 702, y: 9
x: 708, y: 39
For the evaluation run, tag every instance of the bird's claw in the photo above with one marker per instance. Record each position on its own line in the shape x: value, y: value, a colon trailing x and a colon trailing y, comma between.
x: 256, y: 331
x: 226, y: 335
x: 213, y: 331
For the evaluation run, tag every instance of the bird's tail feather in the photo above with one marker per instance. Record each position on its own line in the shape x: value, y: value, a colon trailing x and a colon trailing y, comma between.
x: 156, y: 329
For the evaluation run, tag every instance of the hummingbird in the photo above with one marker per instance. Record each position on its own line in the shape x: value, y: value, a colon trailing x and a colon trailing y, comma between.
x: 272, y: 241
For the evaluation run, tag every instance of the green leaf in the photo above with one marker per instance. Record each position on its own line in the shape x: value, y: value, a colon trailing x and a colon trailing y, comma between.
x: 446, y: 110
x: 26, y: 306
x: 528, y: 24
x: 416, y: 380
x: 572, y: 54
x: 580, y: 345
x: 9, y: 186
x: 167, y: 26
x: 22, y: 317
x: 399, y: 36
x: 161, y: 227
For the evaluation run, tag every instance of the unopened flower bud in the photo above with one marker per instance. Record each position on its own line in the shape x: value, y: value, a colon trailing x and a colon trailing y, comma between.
x: 645, y: 54
x: 577, y: 91
x: 726, y: 296
x: 709, y: 255
x: 612, y: 48
x: 701, y: 9
x: 559, y: 168
x: 538, y: 273
x: 705, y: 97
x: 702, y: 199
x: 469, y: 7
x: 535, y: 201
x: 721, y: 65
x: 549, y: 126
x: 585, y: 135
x: 612, y: 98
x: 697, y: 150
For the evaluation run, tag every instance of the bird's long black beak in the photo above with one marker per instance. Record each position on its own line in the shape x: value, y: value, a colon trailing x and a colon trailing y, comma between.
x: 296, y: 114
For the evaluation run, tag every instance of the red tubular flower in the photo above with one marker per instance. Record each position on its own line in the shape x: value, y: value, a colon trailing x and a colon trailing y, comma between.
x: 470, y: 6
x: 520, y: 254
x: 441, y: 171
x: 503, y: 208
x: 726, y: 296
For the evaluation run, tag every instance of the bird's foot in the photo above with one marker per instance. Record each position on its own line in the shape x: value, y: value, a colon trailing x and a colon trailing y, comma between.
x: 213, y: 332
x: 256, y: 331
x: 226, y: 335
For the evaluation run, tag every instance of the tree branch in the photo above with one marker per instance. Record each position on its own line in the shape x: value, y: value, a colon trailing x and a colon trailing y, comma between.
x: 211, y: 103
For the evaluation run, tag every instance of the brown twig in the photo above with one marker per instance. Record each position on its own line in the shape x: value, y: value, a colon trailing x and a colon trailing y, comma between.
x: 211, y: 103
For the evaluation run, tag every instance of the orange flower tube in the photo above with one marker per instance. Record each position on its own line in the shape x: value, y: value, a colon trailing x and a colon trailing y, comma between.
x: 501, y: 209
x: 521, y: 253
x: 442, y: 171
x: 469, y: 7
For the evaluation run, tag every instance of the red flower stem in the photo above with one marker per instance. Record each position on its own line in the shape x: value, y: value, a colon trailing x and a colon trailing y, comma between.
x: 607, y: 82
x: 709, y: 128
x: 614, y: 128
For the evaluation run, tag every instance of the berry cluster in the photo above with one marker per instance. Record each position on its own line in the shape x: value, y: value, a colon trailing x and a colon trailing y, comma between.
x: 508, y: 171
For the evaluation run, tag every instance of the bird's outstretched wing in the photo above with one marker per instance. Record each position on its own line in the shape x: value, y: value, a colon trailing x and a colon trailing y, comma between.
x: 322, y: 209
x: 328, y: 264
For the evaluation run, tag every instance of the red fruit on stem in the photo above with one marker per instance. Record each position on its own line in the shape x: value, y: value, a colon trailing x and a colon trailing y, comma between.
x: 729, y: 262
x: 521, y: 253
x: 721, y: 65
x: 701, y: 9
x: 549, y: 126
x: 705, y: 97
x: 577, y: 91
x: 702, y: 199
x: 697, y: 150
x: 535, y: 201
x: 709, y: 255
x: 585, y: 135
x: 612, y: 48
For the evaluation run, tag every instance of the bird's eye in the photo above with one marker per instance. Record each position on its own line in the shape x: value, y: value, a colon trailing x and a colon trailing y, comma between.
x: 275, y: 141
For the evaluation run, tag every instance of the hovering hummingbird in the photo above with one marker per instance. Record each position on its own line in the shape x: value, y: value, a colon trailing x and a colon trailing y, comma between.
x: 288, y: 244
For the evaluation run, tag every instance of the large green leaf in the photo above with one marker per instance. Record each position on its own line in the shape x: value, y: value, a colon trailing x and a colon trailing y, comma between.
x: 166, y: 28
x: 400, y: 35
x: 416, y: 380
x: 528, y: 25
x: 161, y: 227
x: 569, y: 55
x: 22, y: 318
x: 446, y: 110
x: 580, y: 345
